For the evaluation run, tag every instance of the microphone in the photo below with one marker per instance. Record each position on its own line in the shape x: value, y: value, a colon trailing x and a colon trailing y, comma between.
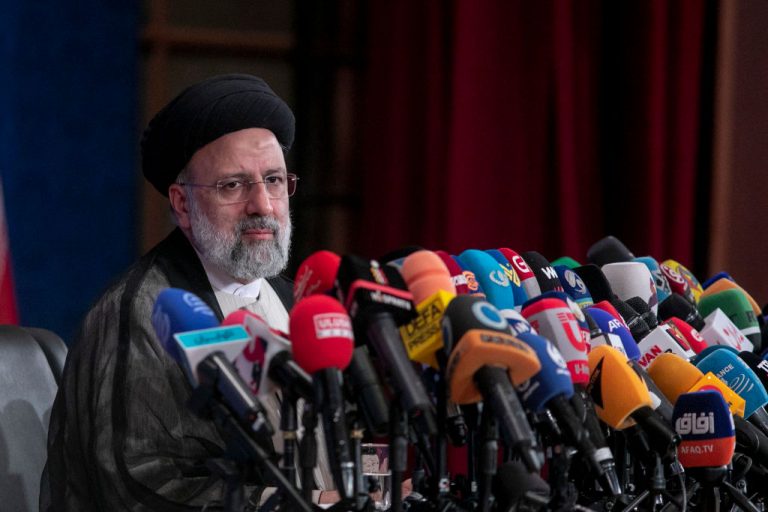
x: 601, y: 292
x: 733, y: 371
x: 611, y: 323
x: 719, y: 275
x: 517, y: 285
x: 678, y: 306
x: 712, y: 348
x: 316, y: 274
x: 599, y: 336
x: 321, y: 332
x: 674, y: 376
x: 636, y: 356
x: 378, y: 304
x: 663, y: 340
x: 687, y: 276
x: 552, y: 388
x: 642, y: 309
x: 737, y: 308
x: 708, y: 446
x: 608, y: 250
x: 663, y: 291
x: 632, y: 279
x: 464, y: 285
x: 574, y: 286
x: 620, y: 394
x: 596, y: 282
x: 429, y: 281
x: 566, y: 261
x: 267, y: 360
x: 492, y: 279
x: 485, y: 362
x: 684, y: 330
x: 178, y: 310
x: 719, y: 330
x: 705, y: 425
x: 205, y: 355
x: 758, y: 365
x: 527, y: 277
x: 637, y: 326
x: 723, y: 284
x: 545, y: 274
x: 677, y: 284
x: 554, y: 319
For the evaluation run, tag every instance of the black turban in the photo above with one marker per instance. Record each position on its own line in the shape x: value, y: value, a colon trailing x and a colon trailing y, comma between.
x: 204, y: 112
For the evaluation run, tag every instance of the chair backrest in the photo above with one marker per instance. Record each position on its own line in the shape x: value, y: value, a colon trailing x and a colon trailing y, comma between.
x: 28, y: 384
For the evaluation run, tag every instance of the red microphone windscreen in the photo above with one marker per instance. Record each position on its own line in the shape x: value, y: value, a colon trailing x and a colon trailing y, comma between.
x: 321, y: 334
x: 691, y: 335
x: 316, y: 274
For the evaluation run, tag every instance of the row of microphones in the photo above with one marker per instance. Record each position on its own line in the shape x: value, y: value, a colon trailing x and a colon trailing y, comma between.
x: 622, y: 382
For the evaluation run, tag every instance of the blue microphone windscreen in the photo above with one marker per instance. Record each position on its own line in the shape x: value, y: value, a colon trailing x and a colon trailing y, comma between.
x: 178, y: 311
x: 662, y: 285
x: 517, y: 286
x: 611, y: 325
x: 552, y: 380
x: 574, y: 286
x: 729, y: 367
x: 495, y: 284
x: 720, y: 275
x: 705, y: 424
x: 712, y: 348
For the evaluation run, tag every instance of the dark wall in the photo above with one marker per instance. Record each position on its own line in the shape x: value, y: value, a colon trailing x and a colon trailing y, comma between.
x: 68, y: 116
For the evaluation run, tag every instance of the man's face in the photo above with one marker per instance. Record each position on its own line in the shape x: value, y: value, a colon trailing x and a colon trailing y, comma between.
x: 247, y: 240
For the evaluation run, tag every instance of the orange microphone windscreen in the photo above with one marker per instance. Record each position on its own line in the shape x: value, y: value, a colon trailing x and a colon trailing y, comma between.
x: 478, y: 348
x: 615, y: 388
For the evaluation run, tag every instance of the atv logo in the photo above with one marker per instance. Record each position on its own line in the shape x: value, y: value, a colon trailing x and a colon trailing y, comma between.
x: 498, y: 277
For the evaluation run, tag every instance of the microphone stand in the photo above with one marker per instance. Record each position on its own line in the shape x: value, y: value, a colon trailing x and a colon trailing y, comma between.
x: 358, y: 491
x: 289, y: 425
x: 713, y: 481
x: 489, y: 454
x: 308, y: 450
x: 242, y: 449
x: 470, y: 414
x: 441, y: 474
x: 398, y: 453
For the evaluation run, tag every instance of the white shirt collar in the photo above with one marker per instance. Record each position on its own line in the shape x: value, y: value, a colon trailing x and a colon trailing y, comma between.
x: 221, y: 281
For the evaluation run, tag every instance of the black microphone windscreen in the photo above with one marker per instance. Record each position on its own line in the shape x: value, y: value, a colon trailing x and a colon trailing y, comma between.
x: 678, y: 306
x: 644, y: 310
x: 596, y: 282
x: 609, y: 250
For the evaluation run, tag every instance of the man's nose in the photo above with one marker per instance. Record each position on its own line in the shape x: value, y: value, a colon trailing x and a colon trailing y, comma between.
x: 259, y: 202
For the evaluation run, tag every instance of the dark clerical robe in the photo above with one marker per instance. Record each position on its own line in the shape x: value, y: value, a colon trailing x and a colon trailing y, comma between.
x: 121, y: 436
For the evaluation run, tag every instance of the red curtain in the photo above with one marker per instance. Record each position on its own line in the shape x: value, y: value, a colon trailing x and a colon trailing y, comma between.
x: 533, y: 125
x: 8, y: 310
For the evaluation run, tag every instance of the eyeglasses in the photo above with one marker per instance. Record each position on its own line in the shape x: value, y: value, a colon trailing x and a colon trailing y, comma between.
x: 238, y: 190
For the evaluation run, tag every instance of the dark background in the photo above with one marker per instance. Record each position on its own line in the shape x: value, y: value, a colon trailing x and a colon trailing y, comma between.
x: 532, y: 125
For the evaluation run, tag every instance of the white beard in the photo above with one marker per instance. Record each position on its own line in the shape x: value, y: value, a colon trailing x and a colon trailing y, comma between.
x: 244, y: 261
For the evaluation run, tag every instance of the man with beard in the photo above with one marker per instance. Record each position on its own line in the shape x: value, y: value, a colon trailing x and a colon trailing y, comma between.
x: 121, y: 436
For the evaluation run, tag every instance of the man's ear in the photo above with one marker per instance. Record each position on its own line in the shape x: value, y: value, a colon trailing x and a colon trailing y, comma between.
x: 177, y: 195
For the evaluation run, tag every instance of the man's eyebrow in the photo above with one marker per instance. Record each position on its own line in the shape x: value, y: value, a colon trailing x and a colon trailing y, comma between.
x: 249, y: 175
